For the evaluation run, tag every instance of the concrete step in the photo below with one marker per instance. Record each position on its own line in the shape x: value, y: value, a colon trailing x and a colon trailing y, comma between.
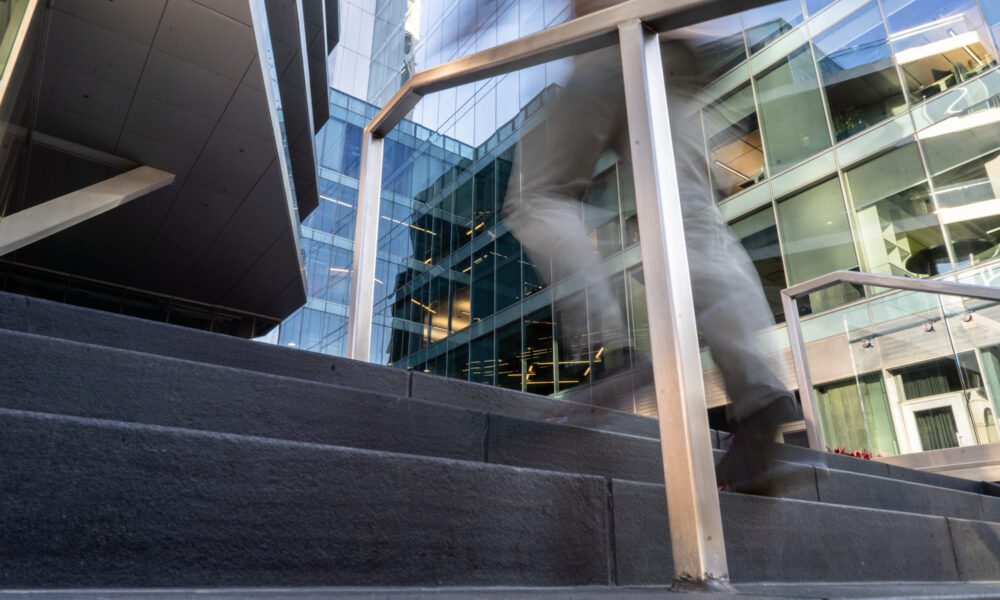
x: 72, y: 323
x: 134, y: 387
x: 880, y: 469
x: 62, y: 321
x: 88, y: 502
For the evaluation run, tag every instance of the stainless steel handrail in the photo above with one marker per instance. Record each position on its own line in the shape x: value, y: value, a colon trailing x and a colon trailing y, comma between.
x: 693, y: 504
x: 590, y: 32
x: 789, y: 300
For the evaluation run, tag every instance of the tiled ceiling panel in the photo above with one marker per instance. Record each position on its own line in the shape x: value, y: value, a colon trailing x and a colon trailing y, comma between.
x: 136, y: 19
x: 232, y: 162
x: 168, y: 124
x: 76, y: 128
x: 186, y: 85
x: 94, y: 50
x: 234, y: 9
x: 243, y: 113
x: 86, y: 95
x: 204, y: 37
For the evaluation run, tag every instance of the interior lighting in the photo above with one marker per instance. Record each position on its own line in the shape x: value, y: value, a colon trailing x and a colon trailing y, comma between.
x: 408, y: 225
x: 599, y: 353
x: 423, y: 306
x: 339, y: 270
x: 337, y: 201
x: 732, y: 170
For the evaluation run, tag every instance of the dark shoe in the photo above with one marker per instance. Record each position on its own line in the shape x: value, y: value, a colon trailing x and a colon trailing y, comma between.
x: 748, y: 466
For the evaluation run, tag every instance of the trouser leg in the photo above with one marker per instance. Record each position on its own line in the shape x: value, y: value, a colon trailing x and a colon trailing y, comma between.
x: 552, y: 170
x: 729, y: 300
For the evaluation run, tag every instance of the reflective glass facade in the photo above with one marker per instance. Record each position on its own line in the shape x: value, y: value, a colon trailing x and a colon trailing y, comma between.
x: 848, y: 134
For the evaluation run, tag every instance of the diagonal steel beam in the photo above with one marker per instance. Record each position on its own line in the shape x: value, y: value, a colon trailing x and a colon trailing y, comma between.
x: 32, y: 224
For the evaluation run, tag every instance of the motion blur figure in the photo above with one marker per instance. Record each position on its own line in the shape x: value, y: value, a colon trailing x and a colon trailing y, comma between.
x: 553, y: 168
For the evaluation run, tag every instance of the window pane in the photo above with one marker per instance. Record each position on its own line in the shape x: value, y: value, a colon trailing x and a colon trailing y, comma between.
x: 759, y: 236
x: 766, y: 23
x: 539, y: 377
x: 855, y: 414
x: 855, y: 62
x: 939, y: 43
x: 898, y: 232
x: 601, y: 213
x: 791, y: 107
x: 720, y: 44
x: 733, y: 133
x: 481, y: 363
x: 458, y: 362
x: 482, y: 283
x: 992, y: 12
x: 814, y: 6
x: 816, y: 237
x: 509, y: 356
x: 963, y: 155
x: 508, y: 271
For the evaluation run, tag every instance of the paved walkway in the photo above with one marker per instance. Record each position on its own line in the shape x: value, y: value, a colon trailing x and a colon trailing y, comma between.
x: 826, y: 591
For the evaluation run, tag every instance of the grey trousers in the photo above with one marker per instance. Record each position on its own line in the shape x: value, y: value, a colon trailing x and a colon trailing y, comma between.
x: 553, y: 167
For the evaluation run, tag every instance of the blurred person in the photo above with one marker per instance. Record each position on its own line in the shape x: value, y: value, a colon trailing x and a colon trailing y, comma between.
x: 553, y: 169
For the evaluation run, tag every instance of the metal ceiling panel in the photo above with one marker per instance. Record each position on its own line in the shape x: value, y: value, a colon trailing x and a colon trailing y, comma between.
x: 243, y: 113
x: 234, y: 9
x: 232, y: 162
x: 86, y: 95
x: 168, y: 124
x: 171, y: 80
x: 207, y: 38
x: 156, y: 154
x: 136, y: 19
x: 81, y: 45
x: 76, y: 128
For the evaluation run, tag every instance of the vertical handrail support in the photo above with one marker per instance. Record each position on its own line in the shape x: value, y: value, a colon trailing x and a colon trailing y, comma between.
x: 359, y: 325
x: 696, y: 538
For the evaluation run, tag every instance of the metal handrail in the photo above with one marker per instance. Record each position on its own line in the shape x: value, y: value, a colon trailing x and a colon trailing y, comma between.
x: 583, y: 34
x: 789, y: 300
x: 697, y: 543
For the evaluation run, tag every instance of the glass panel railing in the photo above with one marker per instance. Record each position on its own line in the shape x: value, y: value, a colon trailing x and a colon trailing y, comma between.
x: 922, y: 374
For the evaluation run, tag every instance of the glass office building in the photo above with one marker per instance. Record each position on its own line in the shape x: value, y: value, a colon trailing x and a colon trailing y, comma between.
x: 848, y: 134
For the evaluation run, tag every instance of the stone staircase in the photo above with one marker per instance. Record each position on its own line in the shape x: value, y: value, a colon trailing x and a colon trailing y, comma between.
x: 144, y: 455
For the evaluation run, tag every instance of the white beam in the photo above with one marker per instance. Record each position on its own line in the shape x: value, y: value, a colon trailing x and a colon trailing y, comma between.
x: 32, y: 224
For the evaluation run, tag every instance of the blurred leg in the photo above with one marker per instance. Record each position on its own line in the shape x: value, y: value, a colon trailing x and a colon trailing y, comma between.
x: 552, y: 170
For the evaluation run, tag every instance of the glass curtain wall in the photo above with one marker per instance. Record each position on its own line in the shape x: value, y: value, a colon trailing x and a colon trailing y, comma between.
x: 840, y: 134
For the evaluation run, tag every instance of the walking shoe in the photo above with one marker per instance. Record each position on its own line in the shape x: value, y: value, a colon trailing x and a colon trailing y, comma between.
x: 749, y: 466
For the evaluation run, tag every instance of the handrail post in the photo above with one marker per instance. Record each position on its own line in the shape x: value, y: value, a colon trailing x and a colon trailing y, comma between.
x: 807, y: 395
x: 360, y: 315
x: 698, y: 549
